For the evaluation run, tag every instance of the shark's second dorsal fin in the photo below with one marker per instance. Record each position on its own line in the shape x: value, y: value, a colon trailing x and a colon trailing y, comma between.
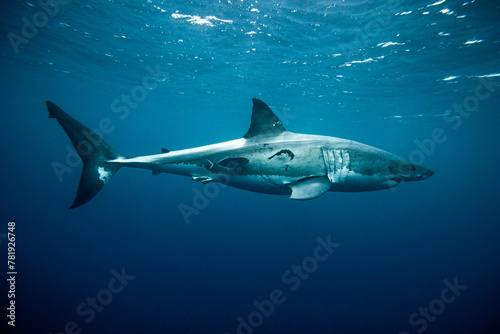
x: 264, y: 121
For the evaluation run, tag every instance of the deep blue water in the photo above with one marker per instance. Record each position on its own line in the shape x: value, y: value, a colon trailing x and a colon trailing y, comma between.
x: 387, y: 74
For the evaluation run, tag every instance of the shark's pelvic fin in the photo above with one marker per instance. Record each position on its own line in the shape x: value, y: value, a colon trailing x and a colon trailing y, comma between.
x: 202, y: 179
x: 309, y: 188
x: 264, y: 121
x: 93, y: 151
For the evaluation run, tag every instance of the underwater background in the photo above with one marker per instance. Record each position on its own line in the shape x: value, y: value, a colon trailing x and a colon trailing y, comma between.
x: 420, y: 79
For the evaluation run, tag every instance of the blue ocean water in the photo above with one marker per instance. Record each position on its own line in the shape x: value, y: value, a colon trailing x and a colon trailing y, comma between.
x: 420, y: 79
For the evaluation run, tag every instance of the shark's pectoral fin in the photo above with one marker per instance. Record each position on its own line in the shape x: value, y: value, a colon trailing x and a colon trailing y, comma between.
x: 309, y: 188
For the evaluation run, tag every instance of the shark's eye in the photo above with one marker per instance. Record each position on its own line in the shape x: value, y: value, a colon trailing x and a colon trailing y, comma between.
x: 412, y: 168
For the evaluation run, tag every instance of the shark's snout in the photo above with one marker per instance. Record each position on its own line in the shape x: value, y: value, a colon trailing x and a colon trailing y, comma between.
x: 427, y: 174
x: 417, y: 173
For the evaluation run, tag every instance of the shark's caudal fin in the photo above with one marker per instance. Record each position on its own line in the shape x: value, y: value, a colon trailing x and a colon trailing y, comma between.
x: 93, y: 151
x: 264, y: 121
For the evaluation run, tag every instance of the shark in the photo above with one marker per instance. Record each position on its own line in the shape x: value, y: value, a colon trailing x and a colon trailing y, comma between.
x: 267, y: 159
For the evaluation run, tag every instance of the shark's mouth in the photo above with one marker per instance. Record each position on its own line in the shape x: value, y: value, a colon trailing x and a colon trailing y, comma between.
x: 428, y: 173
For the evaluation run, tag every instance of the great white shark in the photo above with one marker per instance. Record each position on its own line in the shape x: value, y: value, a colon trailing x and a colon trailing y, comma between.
x: 268, y: 159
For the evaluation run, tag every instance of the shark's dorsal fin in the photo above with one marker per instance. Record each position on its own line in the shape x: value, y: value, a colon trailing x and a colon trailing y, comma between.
x: 264, y: 121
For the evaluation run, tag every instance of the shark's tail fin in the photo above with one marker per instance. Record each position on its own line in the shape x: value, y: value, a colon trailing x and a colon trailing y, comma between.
x: 94, y: 152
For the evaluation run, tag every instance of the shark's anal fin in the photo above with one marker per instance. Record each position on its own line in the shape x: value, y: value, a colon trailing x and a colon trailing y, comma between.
x: 165, y: 150
x: 264, y: 121
x: 309, y: 188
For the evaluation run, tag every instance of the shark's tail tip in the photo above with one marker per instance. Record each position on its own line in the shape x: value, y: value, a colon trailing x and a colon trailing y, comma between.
x: 75, y: 205
x: 52, y: 108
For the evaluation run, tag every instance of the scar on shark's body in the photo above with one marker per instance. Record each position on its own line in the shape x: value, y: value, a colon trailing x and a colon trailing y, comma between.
x: 285, y: 152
